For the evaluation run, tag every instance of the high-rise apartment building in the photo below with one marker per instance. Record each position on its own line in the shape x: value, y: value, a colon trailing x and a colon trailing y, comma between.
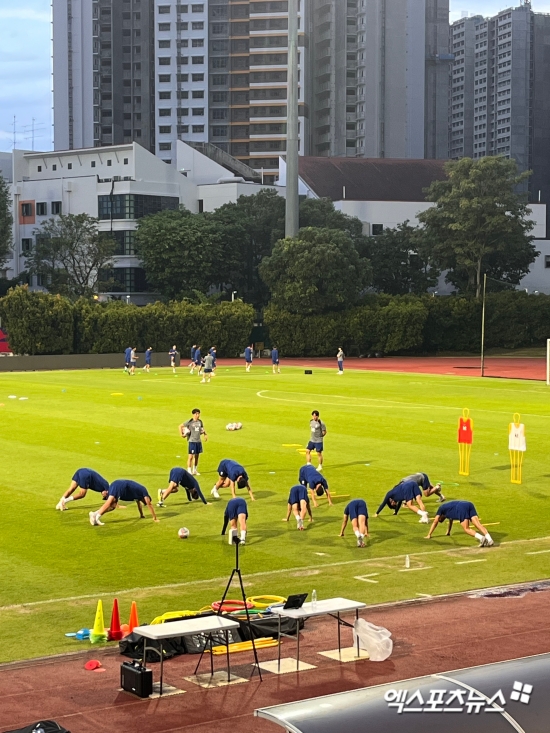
x: 500, y: 94
x: 221, y: 75
x: 103, y: 73
x: 380, y: 78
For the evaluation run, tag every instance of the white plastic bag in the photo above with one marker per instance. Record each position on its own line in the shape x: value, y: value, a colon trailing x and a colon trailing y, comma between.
x: 376, y: 640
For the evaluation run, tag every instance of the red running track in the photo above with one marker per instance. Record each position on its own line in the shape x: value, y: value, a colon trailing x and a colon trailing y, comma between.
x: 465, y: 366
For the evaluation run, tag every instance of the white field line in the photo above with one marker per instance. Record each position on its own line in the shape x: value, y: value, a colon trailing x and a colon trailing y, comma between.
x: 410, y: 570
x: 467, y: 562
x: 263, y: 574
x: 539, y: 552
x: 373, y: 402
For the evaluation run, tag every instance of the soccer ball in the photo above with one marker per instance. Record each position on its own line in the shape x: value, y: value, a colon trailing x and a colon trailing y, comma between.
x: 183, y: 533
x: 238, y: 425
x: 185, y: 432
x: 230, y: 426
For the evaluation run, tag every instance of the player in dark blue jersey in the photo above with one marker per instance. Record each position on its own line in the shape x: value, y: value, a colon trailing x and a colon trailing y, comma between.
x: 148, y: 355
x: 426, y: 485
x: 236, y: 511
x: 231, y: 473
x: 197, y: 361
x: 248, y: 355
x: 127, y: 355
x: 316, y: 482
x: 298, y: 504
x: 463, y: 512
x: 83, y: 479
x: 193, y: 349
x: 173, y: 353
x: 275, y: 360
x: 356, y: 510
x: 181, y: 477
x: 406, y: 493
x: 124, y: 490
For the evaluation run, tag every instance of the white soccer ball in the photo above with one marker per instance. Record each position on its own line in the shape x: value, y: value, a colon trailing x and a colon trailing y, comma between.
x: 183, y: 533
x: 230, y: 426
x: 185, y: 432
x: 238, y: 425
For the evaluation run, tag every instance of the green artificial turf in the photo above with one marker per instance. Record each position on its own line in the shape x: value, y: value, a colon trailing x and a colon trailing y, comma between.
x: 381, y: 426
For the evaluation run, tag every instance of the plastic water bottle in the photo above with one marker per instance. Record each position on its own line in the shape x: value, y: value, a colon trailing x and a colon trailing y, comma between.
x: 407, y: 562
x: 314, y: 599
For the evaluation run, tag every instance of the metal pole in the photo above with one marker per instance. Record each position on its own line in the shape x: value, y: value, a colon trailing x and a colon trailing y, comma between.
x: 292, y: 201
x: 483, y: 327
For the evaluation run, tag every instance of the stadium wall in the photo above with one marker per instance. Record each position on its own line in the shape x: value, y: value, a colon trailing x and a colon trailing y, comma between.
x: 74, y: 361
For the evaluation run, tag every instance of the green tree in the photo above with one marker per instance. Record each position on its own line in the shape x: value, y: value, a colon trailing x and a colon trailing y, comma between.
x: 181, y: 252
x: 6, y: 222
x: 71, y: 254
x: 321, y: 213
x: 318, y: 271
x: 479, y: 224
x: 400, y: 262
x: 251, y: 227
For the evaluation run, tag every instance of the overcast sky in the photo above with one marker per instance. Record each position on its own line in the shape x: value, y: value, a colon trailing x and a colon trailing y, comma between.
x: 25, y: 64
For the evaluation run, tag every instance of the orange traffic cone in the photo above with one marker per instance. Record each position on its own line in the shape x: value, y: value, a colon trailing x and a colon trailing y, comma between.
x: 115, y: 632
x: 133, y: 617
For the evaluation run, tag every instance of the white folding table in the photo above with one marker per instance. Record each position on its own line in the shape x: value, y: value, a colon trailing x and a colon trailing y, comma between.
x: 187, y: 627
x: 328, y: 607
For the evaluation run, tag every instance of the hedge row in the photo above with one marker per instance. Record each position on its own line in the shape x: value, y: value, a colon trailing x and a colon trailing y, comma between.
x: 409, y: 324
x: 39, y: 323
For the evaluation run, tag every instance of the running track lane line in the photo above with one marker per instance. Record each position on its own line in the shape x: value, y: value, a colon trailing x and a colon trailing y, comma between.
x: 257, y: 575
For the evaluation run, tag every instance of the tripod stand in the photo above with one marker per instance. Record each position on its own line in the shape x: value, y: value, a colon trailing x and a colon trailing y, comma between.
x: 237, y: 571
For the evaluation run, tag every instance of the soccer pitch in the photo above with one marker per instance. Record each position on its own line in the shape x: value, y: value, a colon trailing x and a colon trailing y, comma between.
x: 381, y: 426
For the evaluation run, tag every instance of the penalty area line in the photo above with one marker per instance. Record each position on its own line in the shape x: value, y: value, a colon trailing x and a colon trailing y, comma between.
x: 262, y: 574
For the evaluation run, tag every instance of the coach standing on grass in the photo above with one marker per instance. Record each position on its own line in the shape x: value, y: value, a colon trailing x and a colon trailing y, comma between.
x: 318, y: 431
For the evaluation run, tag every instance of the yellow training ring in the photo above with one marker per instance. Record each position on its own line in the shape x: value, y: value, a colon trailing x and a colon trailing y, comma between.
x: 265, y: 601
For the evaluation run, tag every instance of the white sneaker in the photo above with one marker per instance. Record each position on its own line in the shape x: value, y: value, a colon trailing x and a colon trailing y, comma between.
x: 300, y: 523
x: 340, y: 372
x: 214, y: 493
x: 423, y: 518
x: 441, y: 499
x: 489, y: 543
x: 482, y: 542
x: 61, y: 505
x: 196, y: 473
x: 160, y: 502
x: 242, y: 542
x: 203, y: 380
x: 320, y: 467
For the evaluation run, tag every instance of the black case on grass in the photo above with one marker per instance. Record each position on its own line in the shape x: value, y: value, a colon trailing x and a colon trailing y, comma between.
x: 136, y: 678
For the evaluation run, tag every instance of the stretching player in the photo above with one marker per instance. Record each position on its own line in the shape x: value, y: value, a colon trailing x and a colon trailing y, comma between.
x: 318, y: 485
x: 193, y: 430
x: 181, y: 477
x: 357, y: 511
x: 236, y: 511
x: 424, y: 482
x: 463, y: 512
x: 405, y: 493
x: 248, y: 354
x: 197, y: 362
x: 231, y: 473
x: 193, y: 348
x: 84, y: 479
x: 148, y: 354
x: 318, y: 432
x: 124, y: 490
x: 275, y: 360
x: 298, y: 504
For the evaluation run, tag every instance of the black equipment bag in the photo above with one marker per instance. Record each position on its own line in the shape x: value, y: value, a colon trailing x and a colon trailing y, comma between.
x: 136, y: 678
x: 44, y: 726
x: 269, y: 626
x: 197, y: 643
x: 132, y: 646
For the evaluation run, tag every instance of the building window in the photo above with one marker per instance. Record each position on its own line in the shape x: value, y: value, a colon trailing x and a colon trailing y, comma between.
x: 377, y: 229
x: 42, y: 209
x: 197, y: 59
x: 164, y: 78
x: 164, y: 44
x: 197, y: 8
x: 92, y: 164
x: 197, y: 111
x: 165, y: 112
x: 197, y: 26
x: 133, y: 206
x: 547, y: 261
x: 129, y: 280
x: 165, y: 129
x: 54, y: 167
x: 198, y: 94
x: 125, y: 241
x: 26, y: 210
x: 164, y: 61
x: 164, y: 9
x: 39, y: 169
x: 69, y: 166
x: 197, y: 42
x: 26, y: 245
x: 164, y: 26
x: 165, y: 95
x: 56, y: 207
x: 125, y: 161
x: 183, y: 129
x: 197, y: 77
x: 198, y: 128
x: 109, y: 162
x: 165, y: 146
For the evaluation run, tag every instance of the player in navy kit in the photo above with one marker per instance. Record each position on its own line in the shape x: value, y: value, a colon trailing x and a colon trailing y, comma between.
x: 356, y: 510
x: 310, y: 477
x: 197, y: 363
x: 193, y: 348
x: 148, y: 354
x: 173, y: 354
x: 124, y: 490
x: 236, y: 511
x: 181, y: 477
x: 275, y: 360
x: 298, y: 504
x: 83, y: 479
x: 248, y: 354
x: 463, y: 512
x: 231, y: 473
x: 405, y: 493
x: 127, y: 355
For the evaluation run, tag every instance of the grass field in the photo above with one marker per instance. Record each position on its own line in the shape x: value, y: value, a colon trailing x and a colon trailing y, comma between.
x: 381, y: 426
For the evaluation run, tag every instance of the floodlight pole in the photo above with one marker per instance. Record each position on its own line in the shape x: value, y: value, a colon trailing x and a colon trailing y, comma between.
x: 292, y: 200
x: 483, y: 326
